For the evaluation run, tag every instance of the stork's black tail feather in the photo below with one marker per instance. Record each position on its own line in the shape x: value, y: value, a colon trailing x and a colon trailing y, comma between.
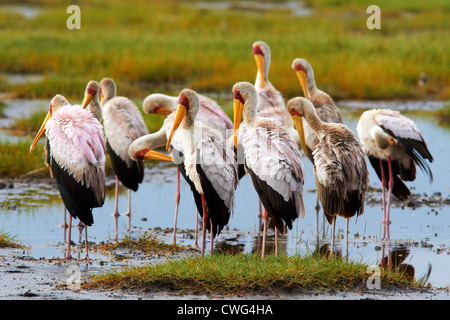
x: 399, y: 190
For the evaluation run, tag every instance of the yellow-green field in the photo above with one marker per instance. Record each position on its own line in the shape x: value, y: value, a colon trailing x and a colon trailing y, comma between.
x: 149, y: 46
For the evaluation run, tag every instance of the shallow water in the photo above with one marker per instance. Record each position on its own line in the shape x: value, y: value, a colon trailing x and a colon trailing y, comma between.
x: 422, y: 232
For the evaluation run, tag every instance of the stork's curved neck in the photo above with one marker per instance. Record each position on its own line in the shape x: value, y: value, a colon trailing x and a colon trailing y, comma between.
x: 94, y: 107
x: 311, y: 82
x: 310, y: 114
x: 108, y: 93
x: 155, y: 140
x: 250, y: 111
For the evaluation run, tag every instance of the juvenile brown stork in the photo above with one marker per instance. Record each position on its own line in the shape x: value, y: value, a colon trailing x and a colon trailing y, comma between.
x: 340, y: 166
x: 272, y: 159
x: 395, y: 147
x: 325, y: 107
x: 75, y: 153
x: 209, y: 164
x: 123, y: 123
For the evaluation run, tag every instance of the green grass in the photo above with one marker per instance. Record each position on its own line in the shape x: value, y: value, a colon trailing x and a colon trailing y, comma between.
x: 16, y: 159
x: 209, y: 50
x: 147, y: 243
x: 9, y: 241
x: 244, y: 273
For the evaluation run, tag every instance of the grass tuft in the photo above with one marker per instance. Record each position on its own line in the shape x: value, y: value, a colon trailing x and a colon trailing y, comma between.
x: 9, y: 241
x: 244, y: 273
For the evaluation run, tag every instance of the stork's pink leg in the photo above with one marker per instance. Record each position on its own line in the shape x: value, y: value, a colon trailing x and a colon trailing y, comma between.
x: 86, y: 257
x: 177, y: 202
x: 196, y: 230
x: 116, y: 199
x: 260, y: 215
x: 68, y: 255
x: 383, y: 184
x: 129, y: 204
x: 205, y: 220
x: 388, y: 209
x: 263, y: 250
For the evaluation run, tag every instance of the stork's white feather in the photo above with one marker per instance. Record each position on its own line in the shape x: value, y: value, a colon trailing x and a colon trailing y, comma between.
x: 274, y: 157
x: 123, y: 124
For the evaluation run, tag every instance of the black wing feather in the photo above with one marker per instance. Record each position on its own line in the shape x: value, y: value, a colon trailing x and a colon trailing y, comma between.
x: 129, y: 177
x: 281, y: 212
x: 400, y: 190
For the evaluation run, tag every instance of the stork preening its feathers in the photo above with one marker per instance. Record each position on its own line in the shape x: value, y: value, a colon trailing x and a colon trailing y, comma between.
x: 395, y: 147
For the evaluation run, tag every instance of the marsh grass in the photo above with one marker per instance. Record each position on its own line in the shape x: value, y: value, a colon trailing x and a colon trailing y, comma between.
x: 7, y: 240
x: 16, y: 160
x: 148, y: 243
x: 244, y: 273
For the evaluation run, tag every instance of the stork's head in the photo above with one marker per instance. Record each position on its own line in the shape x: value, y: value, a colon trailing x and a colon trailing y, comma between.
x: 244, y: 96
x: 142, y: 149
x: 107, y: 89
x: 261, y: 52
x: 188, y: 105
x: 297, y: 108
x: 305, y: 74
x: 92, y: 90
x: 57, y: 102
x: 160, y: 104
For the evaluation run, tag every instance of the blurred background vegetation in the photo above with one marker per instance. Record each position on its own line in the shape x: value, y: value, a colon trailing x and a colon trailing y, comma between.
x: 164, y: 46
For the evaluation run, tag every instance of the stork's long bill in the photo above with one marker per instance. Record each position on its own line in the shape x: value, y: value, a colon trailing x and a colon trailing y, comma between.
x: 181, y: 113
x: 41, y: 130
x: 89, y: 94
x: 259, y: 58
x: 238, y: 107
x: 301, y: 75
x: 298, y: 123
x: 162, y: 111
x: 148, y: 154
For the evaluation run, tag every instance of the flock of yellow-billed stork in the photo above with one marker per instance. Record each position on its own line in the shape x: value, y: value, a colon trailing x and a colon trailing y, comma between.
x: 266, y: 145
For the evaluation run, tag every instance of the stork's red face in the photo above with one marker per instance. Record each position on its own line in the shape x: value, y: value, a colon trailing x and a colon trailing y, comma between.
x: 184, y: 101
x: 299, y: 67
x: 294, y: 112
x: 257, y: 50
x: 237, y: 96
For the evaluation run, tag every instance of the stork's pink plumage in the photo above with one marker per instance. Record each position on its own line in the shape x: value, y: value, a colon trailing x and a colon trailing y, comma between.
x: 76, y: 145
